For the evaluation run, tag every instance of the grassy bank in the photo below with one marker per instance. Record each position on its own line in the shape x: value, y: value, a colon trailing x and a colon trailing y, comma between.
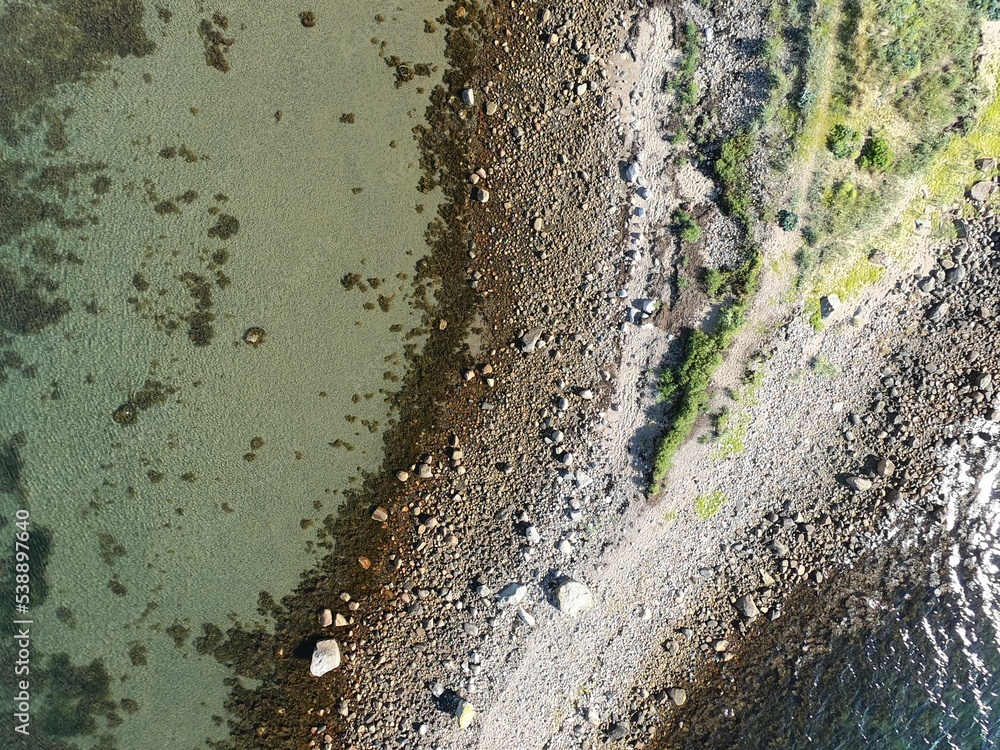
x: 686, y: 389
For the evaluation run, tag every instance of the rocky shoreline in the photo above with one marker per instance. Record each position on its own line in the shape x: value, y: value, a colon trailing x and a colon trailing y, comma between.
x: 506, y: 582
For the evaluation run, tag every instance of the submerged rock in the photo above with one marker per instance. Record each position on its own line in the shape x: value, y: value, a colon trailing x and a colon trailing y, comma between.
x: 325, y: 658
x: 254, y: 336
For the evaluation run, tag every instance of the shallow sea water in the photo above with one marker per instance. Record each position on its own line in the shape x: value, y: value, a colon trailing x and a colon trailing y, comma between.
x: 183, y: 518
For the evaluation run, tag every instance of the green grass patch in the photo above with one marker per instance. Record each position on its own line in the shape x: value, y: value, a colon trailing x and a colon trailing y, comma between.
x: 687, y: 387
x: 824, y: 367
x: 706, y: 506
x: 732, y: 425
x: 686, y: 225
x: 685, y: 86
x: 860, y: 275
x: 731, y: 169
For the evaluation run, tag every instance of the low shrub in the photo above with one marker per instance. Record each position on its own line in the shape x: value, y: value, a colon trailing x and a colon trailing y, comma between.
x: 876, y: 155
x: 842, y: 141
x: 686, y: 226
x: 788, y: 220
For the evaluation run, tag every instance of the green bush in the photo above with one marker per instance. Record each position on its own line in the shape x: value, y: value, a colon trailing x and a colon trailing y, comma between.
x: 989, y: 8
x: 714, y: 280
x: 823, y: 366
x: 731, y: 169
x: 686, y: 225
x: 788, y: 220
x: 685, y: 85
x: 842, y: 141
x: 876, y: 155
x: 691, y: 233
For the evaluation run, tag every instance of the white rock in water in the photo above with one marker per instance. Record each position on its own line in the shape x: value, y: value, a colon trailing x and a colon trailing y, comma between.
x: 465, y: 712
x: 574, y: 598
x: 326, y: 657
x: 512, y: 594
x: 468, y: 96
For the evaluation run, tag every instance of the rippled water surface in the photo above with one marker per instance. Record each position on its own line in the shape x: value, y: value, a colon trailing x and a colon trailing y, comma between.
x: 170, y: 179
x: 916, y: 663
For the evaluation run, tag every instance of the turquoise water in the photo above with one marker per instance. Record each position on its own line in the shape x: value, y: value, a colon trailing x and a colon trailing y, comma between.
x: 156, y: 208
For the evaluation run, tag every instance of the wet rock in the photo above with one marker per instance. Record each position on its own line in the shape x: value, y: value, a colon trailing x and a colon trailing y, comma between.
x: 307, y: 18
x: 574, y: 598
x: 380, y: 515
x: 481, y: 195
x: 468, y: 97
x: 491, y: 108
x: 325, y: 658
x: 325, y: 618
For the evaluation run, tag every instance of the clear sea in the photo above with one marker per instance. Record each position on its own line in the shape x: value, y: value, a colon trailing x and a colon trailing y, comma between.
x: 173, y: 176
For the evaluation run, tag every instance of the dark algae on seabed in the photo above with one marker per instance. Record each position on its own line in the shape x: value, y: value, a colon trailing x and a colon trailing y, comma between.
x: 159, y: 215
